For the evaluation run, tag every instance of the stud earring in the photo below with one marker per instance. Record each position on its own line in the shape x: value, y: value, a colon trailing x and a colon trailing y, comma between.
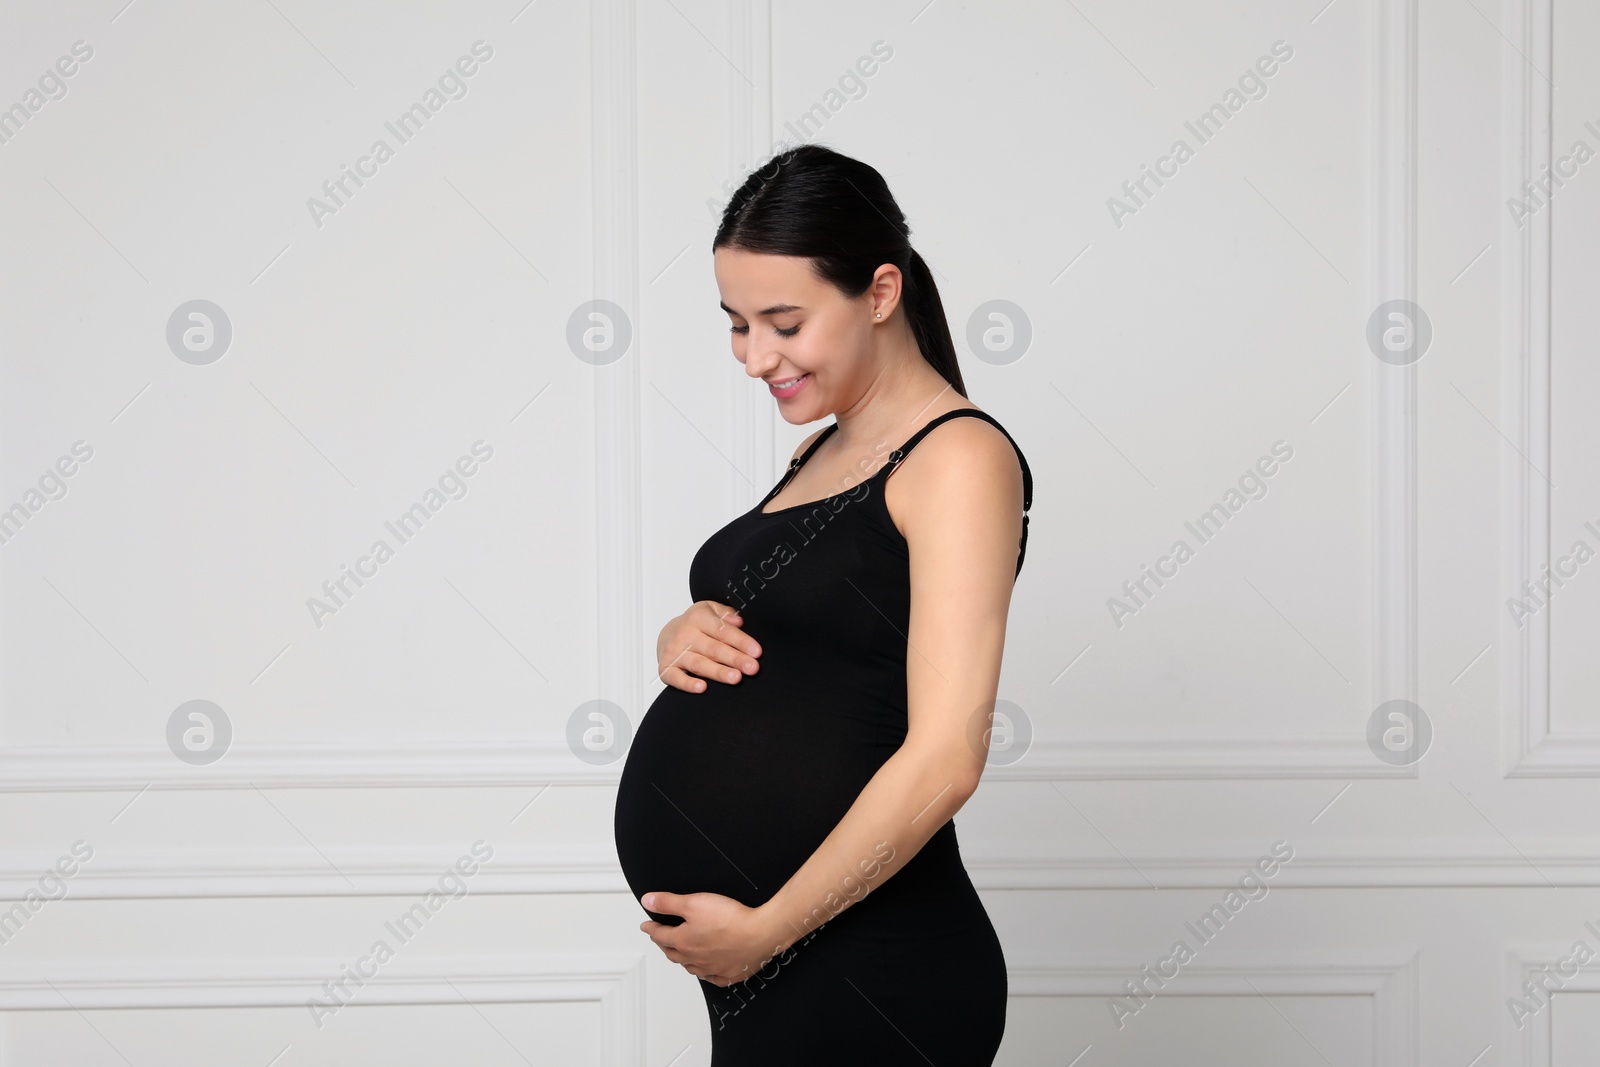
x: 880, y: 314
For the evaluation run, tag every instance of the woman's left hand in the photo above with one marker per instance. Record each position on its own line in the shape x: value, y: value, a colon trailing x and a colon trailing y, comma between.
x: 720, y: 940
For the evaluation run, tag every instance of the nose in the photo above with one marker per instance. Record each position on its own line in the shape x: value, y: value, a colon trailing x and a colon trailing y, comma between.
x: 759, y: 358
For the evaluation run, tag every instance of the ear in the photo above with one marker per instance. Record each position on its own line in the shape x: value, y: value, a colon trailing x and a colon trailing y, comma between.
x: 885, y: 292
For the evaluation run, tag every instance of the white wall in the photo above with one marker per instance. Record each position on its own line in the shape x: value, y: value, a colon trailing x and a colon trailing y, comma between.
x: 370, y: 748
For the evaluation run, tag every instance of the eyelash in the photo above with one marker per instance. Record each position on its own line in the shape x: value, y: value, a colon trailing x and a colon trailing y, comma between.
x: 790, y: 332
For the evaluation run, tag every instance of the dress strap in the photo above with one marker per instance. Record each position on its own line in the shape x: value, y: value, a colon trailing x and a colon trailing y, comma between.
x: 797, y: 462
x: 900, y: 453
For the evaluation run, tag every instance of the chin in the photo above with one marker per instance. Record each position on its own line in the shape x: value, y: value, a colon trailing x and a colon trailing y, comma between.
x: 796, y: 416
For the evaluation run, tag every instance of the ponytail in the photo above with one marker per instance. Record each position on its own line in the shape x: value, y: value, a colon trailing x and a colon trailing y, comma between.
x: 925, y: 312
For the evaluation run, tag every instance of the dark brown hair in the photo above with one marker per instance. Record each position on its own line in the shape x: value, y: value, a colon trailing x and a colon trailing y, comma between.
x: 812, y: 201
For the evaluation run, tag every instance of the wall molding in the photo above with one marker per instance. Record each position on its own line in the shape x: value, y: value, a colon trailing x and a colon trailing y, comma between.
x: 1532, y: 1045
x: 1070, y: 759
x: 619, y: 523
x: 614, y: 981
x: 483, y: 764
x: 619, y: 610
x: 1390, y: 979
x: 755, y: 421
x: 591, y: 867
x: 1358, y: 865
x: 1393, y: 579
x: 1531, y: 749
x: 1393, y: 276
x: 423, y: 764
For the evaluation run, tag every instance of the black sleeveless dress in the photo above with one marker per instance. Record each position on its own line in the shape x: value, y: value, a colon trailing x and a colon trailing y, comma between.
x: 732, y: 789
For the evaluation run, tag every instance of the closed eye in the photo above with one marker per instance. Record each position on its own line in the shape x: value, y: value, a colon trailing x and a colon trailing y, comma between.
x: 790, y: 332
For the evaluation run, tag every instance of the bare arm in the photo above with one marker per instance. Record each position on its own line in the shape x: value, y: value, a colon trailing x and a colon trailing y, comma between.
x: 960, y: 509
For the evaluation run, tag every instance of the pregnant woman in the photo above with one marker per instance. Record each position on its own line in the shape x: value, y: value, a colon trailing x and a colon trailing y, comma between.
x: 785, y: 811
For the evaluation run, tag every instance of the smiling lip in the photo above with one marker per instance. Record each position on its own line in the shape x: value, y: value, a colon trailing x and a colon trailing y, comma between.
x: 787, y: 391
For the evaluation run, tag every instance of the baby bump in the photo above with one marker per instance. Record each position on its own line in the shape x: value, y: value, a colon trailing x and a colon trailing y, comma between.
x: 729, y: 791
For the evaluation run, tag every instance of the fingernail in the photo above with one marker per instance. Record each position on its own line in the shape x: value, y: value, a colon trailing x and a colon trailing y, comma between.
x: 650, y: 901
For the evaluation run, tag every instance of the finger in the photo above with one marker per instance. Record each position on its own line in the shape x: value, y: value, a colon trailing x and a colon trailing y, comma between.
x: 726, y: 624
x: 709, y: 658
x: 732, y: 648
x: 677, y: 660
x: 701, y: 648
x: 723, y: 613
x: 728, y: 628
x: 723, y: 664
x: 679, y: 678
x: 689, y: 669
x: 663, y: 903
x: 728, y: 648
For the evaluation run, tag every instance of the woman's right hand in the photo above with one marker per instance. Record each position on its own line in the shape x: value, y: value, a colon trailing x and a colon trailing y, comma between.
x: 707, y: 641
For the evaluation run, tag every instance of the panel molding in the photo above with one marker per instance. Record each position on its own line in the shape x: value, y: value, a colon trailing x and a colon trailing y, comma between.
x: 103, y: 768
x: 755, y: 421
x: 1393, y: 276
x: 115, y: 768
x: 1392, y: 272
x: 619, y: 522
x: 591, y: 867
x: 1533, y: 1044
x: 481, y: 764
x: 619, y: 553
x: 1392, y: 579
x: 1390, y: 979
x: 1073, y: 759
x: 1531, y: 749
x: 614, y: 981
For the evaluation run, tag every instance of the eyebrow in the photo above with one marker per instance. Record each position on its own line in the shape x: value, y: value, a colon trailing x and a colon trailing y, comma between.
x: 775, y: 309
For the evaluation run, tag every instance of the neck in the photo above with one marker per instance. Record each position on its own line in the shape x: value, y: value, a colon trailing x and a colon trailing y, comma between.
x: 907, y: 393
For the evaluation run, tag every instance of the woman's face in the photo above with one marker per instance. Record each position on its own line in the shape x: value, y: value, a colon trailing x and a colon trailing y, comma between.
x: 787, y: 323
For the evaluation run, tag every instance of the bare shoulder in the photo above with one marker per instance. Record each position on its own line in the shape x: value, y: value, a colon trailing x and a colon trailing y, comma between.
x: 962, y: 462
